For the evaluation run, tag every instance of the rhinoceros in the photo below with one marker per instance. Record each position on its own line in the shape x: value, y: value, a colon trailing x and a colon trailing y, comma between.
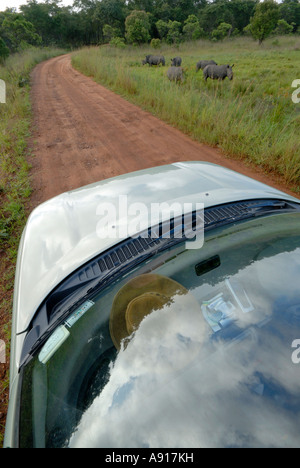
x: 176, y: 61
x: 175, y: 73
x: 203, y: 63
x: 218, y: 72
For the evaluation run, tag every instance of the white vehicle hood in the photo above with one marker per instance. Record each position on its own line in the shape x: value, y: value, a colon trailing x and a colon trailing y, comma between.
x: 61, y: 234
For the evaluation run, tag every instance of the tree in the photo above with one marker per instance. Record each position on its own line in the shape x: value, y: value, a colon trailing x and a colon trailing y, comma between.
x: 55, y: 24
x: 215, y: 13
x: 241, y: 11
x: 17, y: 32
x: 39, y: 15
x: 88, y: 22
x: 174, y: 32
x: 283, y: 27
x: 234, y: 12
x: 137, y: 26
x: 192, y: 29
x: 162, y: 28
x: 181, y: 9
x: 289, y: 10
x: 4, y: 51
x: 264, y: 20
x: 112, y: 13
x: 110, y: 33
x: 223, y: 30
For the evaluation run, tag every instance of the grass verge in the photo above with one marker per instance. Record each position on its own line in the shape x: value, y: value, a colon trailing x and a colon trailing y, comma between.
x: 15, y: 190
x: 252, y: 117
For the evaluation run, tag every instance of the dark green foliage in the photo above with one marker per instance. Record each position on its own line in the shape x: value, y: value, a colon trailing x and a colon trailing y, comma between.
x: 137, y: 27
x: 192, y: 29
x: 17, y: 33
x: 283, y: 27
x: 265, y: 19
x: 289, y: 10
x: 4, y: 51
x: 91, y: 22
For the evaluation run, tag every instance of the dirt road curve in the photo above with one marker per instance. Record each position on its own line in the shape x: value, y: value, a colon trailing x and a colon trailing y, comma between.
x: 84, y: 133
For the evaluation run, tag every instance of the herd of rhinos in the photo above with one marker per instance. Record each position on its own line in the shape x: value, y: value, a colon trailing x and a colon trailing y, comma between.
x: 175, y: 72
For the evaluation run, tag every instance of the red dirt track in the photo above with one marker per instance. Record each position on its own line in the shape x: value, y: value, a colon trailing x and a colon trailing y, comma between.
x: 84, y: 133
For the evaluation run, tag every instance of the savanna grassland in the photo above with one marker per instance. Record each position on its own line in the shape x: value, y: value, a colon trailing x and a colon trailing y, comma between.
x: 252, y: 117
x: 15, y: 190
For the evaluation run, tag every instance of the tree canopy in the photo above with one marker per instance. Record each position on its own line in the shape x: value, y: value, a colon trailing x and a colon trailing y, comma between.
x: 264, y: 20
x: 89, y: 22
x: 137, y: 27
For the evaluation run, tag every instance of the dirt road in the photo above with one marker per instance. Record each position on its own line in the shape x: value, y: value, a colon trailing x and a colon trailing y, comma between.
x: 84, y: 133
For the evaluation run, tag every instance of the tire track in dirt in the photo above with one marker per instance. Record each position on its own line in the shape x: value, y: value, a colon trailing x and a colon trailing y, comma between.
x: 84, y: 133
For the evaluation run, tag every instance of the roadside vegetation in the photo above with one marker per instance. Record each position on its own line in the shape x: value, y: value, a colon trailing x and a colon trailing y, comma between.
x: 15, y: 120
x: 251, y: 117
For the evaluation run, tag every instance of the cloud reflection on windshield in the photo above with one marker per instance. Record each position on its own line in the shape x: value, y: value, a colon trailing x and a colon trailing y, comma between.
x: 174, y: 387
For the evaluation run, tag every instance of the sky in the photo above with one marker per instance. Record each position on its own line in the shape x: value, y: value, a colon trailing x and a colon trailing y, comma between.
x: 16, y: 3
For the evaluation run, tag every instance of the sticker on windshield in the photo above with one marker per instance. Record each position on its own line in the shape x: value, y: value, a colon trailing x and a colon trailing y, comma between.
x: 55, y: 341
x: 79, y: 313
x: 222, y: 309
x: 218, y: 312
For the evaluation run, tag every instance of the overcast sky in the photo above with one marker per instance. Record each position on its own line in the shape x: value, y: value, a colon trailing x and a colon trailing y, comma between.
x: 16, y: 3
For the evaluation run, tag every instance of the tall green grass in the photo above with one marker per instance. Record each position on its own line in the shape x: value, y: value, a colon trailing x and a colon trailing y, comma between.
x: 252, y: 117
x: 15, y: 122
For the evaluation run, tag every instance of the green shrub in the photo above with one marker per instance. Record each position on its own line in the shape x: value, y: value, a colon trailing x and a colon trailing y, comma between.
x: 118, y: 42
x: 221, y: 32
x: 4, y: 51
x: 283, y: 28
x: 155, y: 43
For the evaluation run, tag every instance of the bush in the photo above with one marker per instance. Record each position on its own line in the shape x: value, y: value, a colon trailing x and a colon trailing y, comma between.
x: 192, y: 29
x: 110, y: 33
x: 174, y: 32
x: 283, y: 28
x: 222, y: 31
x: 264, y: 20
x: 137, y: 26
x: 155, y: 43
x: 162, y: 28
x: 118, y: 42
x: 247, y: 30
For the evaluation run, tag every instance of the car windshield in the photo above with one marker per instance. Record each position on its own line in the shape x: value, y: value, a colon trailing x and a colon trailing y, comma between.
x: 193, y: 348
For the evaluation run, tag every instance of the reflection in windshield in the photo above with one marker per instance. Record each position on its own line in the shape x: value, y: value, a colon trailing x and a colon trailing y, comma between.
x: 172, y: 376
x: 199, y: 360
